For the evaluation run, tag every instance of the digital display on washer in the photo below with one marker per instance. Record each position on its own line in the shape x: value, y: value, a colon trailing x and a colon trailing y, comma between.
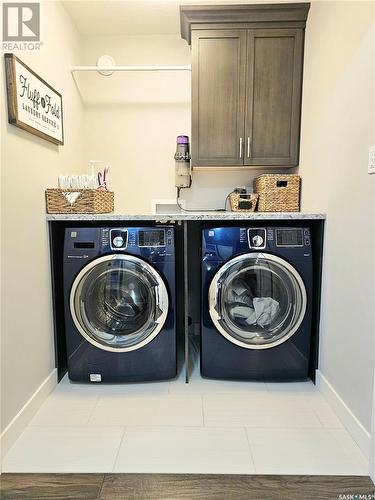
x: 151, y: 238
x: 289, y: 237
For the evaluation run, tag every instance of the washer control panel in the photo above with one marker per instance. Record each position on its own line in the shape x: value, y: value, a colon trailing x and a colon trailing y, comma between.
x: 148, y: 239
x: 257, y: 238
x: 152, y: 238
x: 118, y: 239
x: 153, y: 243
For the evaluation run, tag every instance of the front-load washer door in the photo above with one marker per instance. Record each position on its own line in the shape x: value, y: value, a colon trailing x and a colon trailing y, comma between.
x: 119, y: 303
x: 257, y: 300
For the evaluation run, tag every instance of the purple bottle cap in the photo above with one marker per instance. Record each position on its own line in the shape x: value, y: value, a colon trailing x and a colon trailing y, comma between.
x: 182, y: 139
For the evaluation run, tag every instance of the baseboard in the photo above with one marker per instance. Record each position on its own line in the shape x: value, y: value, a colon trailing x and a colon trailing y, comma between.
x: 14, y: 429
x: 360, y: 435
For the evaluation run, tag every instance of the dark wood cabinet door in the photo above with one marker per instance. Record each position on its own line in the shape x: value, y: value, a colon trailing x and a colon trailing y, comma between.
x: 273, y: 96
x: 218, y: 97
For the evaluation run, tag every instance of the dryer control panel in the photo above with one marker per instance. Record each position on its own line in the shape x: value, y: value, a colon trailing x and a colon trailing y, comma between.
x: 288, y: 237
x: 221, y: 243
x: 257, y: 238
x: 292, y: 237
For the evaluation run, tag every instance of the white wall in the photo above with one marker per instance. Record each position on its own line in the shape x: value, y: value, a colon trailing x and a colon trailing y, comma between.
x: 338, y: 126
x: 29, y: 165
x: 132, y: 119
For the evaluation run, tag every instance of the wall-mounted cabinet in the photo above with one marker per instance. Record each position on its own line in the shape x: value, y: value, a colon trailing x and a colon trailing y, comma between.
x: 246, y: 83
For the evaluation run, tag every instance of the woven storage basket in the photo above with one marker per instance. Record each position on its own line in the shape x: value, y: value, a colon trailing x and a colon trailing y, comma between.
x: 278, y: 192
x: 235, y: 200
x: 79, y: 201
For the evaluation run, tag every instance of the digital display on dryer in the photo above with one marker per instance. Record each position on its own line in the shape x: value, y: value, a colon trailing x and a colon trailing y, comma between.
x: 289, y: 237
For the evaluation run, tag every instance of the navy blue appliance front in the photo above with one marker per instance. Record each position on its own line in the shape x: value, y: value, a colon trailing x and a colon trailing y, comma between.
x: 256, y: 303
x: 119, y: 288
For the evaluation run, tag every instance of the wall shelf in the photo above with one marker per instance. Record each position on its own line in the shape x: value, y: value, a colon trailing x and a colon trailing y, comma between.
x: 106, y: 84
x: 111, y: 69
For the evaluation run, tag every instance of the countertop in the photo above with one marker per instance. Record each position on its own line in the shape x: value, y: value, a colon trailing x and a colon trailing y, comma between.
x: 214, y: 215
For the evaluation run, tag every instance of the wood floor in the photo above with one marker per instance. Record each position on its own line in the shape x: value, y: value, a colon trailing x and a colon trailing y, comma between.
x: 177, y: 486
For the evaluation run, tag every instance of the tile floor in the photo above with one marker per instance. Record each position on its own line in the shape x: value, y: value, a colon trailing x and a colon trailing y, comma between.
x: 207, y: 426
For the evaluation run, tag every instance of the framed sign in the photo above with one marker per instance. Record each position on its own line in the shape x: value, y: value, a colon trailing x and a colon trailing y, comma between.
x: 33, y: 104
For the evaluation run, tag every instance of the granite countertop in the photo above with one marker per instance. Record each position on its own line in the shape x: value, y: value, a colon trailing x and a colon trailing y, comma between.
x: 213, y: 215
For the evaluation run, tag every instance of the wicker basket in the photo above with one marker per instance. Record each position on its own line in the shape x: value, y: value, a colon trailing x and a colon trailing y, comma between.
x: 237, y: 199
x: 278, y: 192
x: 79, y: 201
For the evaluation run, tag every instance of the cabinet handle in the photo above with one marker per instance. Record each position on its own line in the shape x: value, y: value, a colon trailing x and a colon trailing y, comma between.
x: 248, y: 148
x: 241, y: 140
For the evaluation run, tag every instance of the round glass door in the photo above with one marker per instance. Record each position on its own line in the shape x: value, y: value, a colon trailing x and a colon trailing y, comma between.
x: 257, y: 300
x: 119, y: 303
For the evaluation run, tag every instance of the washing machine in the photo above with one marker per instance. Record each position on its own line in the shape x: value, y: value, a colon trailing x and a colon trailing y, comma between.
x: 256, y: 303
x: 119, y: 287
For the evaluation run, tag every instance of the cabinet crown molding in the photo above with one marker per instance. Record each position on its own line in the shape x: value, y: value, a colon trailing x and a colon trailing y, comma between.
x: 264, y: 14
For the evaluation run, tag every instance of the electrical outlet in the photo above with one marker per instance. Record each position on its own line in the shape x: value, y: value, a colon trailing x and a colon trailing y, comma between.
x: 371, y: 160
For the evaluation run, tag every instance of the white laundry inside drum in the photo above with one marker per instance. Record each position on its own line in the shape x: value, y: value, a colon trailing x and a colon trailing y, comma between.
x: 257, y: 301
x: 245, y: 308
x: 262, y: 313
